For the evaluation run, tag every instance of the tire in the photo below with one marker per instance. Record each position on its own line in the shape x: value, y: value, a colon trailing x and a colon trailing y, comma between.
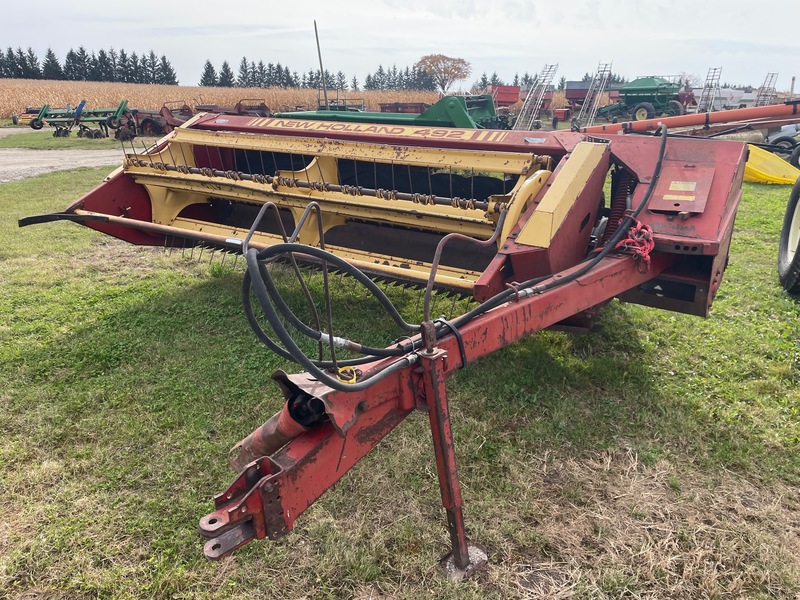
x: 786, y: 143
x: 644, y: 111
x: 788, y: 254
x: 794, y: 159
x: 150, y: 127
x: 14, y: 120
x: 111, y: 123
x: 36, y: 124
x: 675, y: 108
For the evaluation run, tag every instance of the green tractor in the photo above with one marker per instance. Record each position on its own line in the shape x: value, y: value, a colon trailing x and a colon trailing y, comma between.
x: 649, y: 97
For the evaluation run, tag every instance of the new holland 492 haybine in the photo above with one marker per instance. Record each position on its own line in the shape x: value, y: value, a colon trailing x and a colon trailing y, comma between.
x: 517, y: 220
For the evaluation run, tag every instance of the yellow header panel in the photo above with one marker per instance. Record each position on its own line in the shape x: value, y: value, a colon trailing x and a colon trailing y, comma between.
x: 559, y: 199
x: 471, y: 160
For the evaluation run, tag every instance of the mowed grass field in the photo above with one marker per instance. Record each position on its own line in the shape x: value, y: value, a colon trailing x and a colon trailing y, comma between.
x: 657, y: 458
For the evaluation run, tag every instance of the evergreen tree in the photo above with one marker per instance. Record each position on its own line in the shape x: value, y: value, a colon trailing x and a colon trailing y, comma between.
x: 82, y: 64
x: 14, y: 65
x: 3, y: 67
x: 312, y: 80
x: 330, y: 80
x: 243, y: 78
x: 341, y: 81
x: 516, y: 79
x: 71, y: 72
x: 495, y: 80
x: 21, y: 62
x: 226, y: 78
x: 252, y: 75
x: 406, y: 79
x: 93, y: 74
x: 123, y: 67
x: 261, y: 74
x: 422, y: 80
x: 113, y: 59
x: 527, y: 80
x: 152, y: 74
x: 269, y: 78
x: 103, y: 69
x: 9, y: 60
x: 354, y: 84
x: 379, y: 79
x: 32, y: 68
x: 209, y: 76
x: 165, y: 74
x: 393, y: 78
x: 134, y: 69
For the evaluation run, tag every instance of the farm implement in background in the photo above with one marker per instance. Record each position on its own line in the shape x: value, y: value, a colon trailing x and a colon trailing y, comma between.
x: 781, y: 119
x: 175, y: 113
x: 648, y: 97
x: 24, y: 118
x: 63, y: 120
x: 517, y: 220
x: 471, y: 112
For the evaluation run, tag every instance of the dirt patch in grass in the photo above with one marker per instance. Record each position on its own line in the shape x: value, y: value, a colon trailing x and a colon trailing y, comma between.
x: 612, y: 526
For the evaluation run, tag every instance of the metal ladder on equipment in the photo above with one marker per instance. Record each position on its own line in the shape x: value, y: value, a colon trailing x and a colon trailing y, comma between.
x: 710, y: 90
x: 594, y: 94
x: 535, y: 99
x: 766, y: 93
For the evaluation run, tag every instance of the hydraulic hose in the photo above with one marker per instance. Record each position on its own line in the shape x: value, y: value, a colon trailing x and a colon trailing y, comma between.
x: 293, y: 350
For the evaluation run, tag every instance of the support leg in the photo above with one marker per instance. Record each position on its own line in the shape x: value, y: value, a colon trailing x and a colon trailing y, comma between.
x: 464, y: 559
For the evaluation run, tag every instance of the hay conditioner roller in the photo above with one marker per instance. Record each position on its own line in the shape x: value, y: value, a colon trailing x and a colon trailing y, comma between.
x: 518, y: 220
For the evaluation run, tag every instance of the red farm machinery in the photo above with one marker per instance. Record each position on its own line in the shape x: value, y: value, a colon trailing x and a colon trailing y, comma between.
x: 540, y: 228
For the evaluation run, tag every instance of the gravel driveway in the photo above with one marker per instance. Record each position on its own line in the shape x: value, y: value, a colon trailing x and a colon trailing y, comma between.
x: 18, y: 163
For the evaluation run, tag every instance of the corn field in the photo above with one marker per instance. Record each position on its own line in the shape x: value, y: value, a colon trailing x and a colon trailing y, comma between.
x: 16, y: 94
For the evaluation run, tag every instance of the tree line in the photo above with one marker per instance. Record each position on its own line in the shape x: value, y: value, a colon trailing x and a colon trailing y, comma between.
x: 527, y: 80
x: 258, y: 74
x: 80, y: 65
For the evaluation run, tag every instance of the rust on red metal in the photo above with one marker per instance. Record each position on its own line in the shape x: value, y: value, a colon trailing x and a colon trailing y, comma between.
x: 685, y: 191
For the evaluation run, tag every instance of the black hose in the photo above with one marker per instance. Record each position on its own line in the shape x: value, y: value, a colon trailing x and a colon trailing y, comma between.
x: 370, y: 354
x: 293, y: 350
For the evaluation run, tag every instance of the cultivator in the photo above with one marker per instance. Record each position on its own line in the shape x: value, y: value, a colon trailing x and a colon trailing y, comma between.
x: 63, y: 120
x: 521, y: 221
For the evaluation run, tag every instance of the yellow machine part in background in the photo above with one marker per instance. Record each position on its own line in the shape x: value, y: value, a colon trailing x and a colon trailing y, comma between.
x: 765, y: 167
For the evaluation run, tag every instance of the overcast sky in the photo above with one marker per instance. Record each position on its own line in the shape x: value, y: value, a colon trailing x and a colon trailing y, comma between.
x: 640, y: 37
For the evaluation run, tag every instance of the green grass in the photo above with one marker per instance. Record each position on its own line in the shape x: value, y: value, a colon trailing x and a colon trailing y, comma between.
x: 43, y: 140
x: 657, y: 458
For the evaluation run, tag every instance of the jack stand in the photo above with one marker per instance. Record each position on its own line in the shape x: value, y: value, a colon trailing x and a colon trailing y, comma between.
x: 464, y: 559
